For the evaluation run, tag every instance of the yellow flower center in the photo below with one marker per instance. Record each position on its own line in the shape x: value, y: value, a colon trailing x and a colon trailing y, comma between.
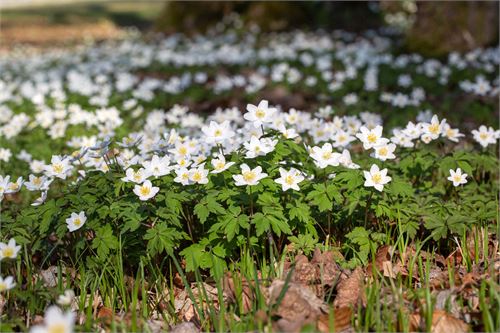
x: 260, y: 113
x: 249, y: 176
x: 56, y: 328
x: 13, y: 186
x: 289, y: 180
x: 57, y: 168
x: 218, y: 133
x: 483, y: 136
x: 3, y: 286
x: 197, y: 176
x: 145, y: 190
x: 434, y: 128
x: 37, y: 180
x: 372, y: 138
x: 327, y: 155
x: 220, y: 165
x: 8, y: 252
x: 457, y: 178
x: 77, y: 222
x: 377, y: 178
x: 182, y: 150
x: 382, y: 151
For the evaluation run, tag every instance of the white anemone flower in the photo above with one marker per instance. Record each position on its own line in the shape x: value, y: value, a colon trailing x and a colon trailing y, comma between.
x: 146, y: 190
x: 376, y: 178
x: 249, y: 176
x: 259, y: 114
x: 55, y: 320
x: 9, y: 250
x: 76, y: 221
x: 457, y: 177
x: 289, y: 179
x: 7, y: 283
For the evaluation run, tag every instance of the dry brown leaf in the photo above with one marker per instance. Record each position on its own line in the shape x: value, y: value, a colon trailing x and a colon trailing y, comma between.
x: 349, y: 290
x: 328, y: 269
x: 105, y: 315
x: 340, y: 320
x: 322, y: 271
x: 442, y: 322
x: 298, y: 307
x: 184, y: 306
x: 242, y: 291
x: 186, y: 327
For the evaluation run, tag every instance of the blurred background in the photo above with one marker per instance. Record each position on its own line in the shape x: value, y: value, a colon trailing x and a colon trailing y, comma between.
x: 429, y: 28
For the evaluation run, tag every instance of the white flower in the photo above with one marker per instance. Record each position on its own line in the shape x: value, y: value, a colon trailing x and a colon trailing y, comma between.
x: 218, y: 133
x: 137, y: 177
x: 198, y: 175
x: 249, y: 177
x: 38, y: 183
x: 371, y: 138
x: 451, y: 134
x: 5, y: 154
x: 220, y: 164
x: 157, y: 167
x: 9, y: 250
x: 59, y: 167
x: 288, y: 133
x: 259, y: 147
x: 412, y: 130
x: 146, y: 191
x: 4, y: 182
x: 41, y: 199
x: 325, y: 156
x: 289, y: 179
x: 76, y: 221
x: 457, y: 177
x: 14, y: 187
x: 376, y: 178
x: 342, y: 139
x: 182, y: 176
x: 345, y: 160
x: 55, y: 321
x: 434, y: 128
x: 7, y: 283
x: 259, y: 114
x: 484, y: 136
x: 385, y: 152
x: 66, y: 298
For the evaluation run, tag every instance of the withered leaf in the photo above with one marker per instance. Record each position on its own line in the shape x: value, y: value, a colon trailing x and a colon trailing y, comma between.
x: 349, y: 290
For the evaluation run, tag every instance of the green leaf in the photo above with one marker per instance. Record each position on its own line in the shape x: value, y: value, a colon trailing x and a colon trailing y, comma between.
x: 262, y: 224
x: 161, y: 238
x: 104, y: 241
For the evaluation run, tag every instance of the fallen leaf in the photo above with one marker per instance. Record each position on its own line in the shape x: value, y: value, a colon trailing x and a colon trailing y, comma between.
x: 338, y: 320
x: 298, y: 307
x: 185, y: 327
x: 349, y: 290
x: 442, y: 322
x: 238, y: 290
x: 105, y: 315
